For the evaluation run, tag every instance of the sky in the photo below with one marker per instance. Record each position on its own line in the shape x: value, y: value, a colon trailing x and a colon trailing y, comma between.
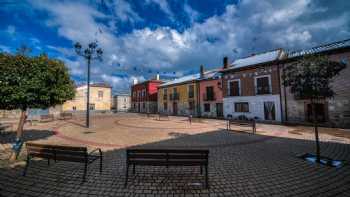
x: 170, y: 37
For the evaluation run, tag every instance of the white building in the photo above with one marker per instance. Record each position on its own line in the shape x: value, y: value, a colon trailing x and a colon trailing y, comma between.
x: 121, y: 102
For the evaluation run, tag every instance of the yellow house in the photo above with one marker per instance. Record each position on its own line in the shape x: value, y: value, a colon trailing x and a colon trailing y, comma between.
x: 100, y: 98
x: 179, y: 96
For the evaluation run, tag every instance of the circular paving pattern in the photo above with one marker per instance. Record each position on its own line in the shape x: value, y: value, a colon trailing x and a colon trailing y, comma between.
x: 240, y: 164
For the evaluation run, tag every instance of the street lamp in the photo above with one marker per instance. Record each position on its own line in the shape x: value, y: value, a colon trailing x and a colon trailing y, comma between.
x: 90, y: 53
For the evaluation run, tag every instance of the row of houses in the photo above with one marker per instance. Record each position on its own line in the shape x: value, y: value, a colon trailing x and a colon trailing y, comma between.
x: 250, y: 87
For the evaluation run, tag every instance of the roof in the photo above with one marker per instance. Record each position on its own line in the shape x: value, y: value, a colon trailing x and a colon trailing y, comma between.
x: 183, y: 79
x: 321, y: 48
x: 103, y: 85
x: 211, y: 74
x: 255, y: 59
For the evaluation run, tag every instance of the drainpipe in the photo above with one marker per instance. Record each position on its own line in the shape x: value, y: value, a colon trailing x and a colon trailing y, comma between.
x: 198, y: 99
x: 279, y: 84
x: 285, y: 99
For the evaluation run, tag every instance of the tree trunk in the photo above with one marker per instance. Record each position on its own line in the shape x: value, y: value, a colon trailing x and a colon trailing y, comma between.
x: 21, y: 124
x: 316, y: 132
x: 19, y: 132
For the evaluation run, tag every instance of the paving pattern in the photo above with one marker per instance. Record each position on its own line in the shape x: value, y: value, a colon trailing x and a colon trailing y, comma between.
x: 240, y: 164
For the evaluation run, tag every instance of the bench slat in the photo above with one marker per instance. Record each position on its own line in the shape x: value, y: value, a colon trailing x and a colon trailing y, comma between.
x: 169, y: 156
x: 188, y: 151
x: 61, y: 147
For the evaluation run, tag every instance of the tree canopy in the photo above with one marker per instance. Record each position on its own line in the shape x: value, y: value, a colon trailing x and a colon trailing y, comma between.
x: 33, y: 82
x: 310, y: 77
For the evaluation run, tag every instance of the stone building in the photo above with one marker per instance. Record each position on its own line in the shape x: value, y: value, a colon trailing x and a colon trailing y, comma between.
x: 251, y: 87
x: 100, y: 98
x: 330, y: 112
x: 121, y: 102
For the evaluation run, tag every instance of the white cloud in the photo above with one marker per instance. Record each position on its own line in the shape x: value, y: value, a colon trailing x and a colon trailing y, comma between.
x: 163, y: 5
x: 250, y: 27
x: 11, y: 30
x: 124, y: 11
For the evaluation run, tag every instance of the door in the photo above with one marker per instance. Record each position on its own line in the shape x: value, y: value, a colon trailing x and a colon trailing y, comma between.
x: 269, y: 110
x: 219, y: 110
x: 320, y: 112
x: 175, y: 108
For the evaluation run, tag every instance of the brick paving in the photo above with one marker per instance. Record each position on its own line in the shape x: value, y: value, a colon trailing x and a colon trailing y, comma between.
x: 240, y: 164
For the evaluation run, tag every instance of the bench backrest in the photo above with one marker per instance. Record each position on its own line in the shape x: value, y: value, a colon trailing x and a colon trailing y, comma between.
x: 168, y: 154
x: 58, y: 152
x: 66, y: 115
x: 45, y: 117
x: 250, y: 122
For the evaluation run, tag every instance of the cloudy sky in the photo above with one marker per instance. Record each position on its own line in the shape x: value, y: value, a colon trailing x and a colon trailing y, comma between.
x: 169, y: 37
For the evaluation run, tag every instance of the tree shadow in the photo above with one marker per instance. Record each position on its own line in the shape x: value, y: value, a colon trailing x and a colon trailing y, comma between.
x: 28, y: 135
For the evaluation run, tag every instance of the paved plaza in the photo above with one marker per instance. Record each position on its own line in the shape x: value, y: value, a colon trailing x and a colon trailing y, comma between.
x: 240, y: 163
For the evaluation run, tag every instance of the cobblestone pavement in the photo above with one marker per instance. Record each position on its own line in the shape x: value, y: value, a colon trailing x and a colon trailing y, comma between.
x: 240, y: 164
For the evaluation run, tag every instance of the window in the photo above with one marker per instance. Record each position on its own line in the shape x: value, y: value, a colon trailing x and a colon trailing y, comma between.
x: 92, y: 106
x: 207, y: 107
x: 209, y: 94
x: 143, y: 105
x: 165, y: 106
x: 100, y: 94
x: 165, y: 94
x: 190, y: 91
x: 134, y: 106
x: 269, y: 110
x: 74, y: 108
x: 262, y: 85
x: 191, y: 105
x: 242, y: 107
x: 234, y: 88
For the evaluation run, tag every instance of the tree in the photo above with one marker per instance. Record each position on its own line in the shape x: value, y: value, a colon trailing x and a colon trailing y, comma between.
x: 32, y: 82
x: 310, y: 78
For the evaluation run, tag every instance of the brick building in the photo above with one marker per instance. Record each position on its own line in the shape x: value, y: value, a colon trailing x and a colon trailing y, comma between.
x: 331, y: 112
x: 251, y: 87
x: 144, y: 96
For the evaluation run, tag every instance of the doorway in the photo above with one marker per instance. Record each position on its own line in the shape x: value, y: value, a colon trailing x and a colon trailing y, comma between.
x: 269, y: 110
x: 174, y: 108
x: 219, y: 110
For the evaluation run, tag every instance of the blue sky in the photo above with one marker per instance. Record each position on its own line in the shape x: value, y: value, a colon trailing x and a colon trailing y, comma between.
x: 170, y: 37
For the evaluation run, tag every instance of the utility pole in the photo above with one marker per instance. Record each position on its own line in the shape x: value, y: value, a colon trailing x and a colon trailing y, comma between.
x: 90, y: 53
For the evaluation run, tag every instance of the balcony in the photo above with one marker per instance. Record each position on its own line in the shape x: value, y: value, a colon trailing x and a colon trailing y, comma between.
x: 191, y: 95
x: 174, y: 96
x: 209, y: 97
x: 260, y: 90
x: 165, y: 97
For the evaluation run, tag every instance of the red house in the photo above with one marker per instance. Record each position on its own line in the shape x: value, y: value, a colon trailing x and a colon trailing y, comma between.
x: 144, y: 96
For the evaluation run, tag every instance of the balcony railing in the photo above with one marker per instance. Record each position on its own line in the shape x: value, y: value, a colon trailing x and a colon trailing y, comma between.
x: 165, y: 97
x: 209, y: 97
x: 191, y: 95
x: 262, y: 90
x: 174, y: 96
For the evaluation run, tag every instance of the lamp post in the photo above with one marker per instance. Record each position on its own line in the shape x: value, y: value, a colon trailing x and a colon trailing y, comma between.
x: 90, y: 53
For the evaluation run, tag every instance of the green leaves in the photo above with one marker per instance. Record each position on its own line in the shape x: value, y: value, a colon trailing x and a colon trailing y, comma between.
x: 310, y: 77
x: 33, y: 82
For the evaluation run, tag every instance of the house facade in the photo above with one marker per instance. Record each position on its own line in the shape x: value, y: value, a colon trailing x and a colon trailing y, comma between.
x: 210, y: 94
x: 100, y: 98
x: 330, y: 112
x: 121, y: 102
x: 251, y: 87
x: 144, y: 96
x: 179, y: 96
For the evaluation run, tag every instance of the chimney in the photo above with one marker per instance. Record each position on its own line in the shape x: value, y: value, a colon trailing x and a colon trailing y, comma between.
x: 201, y: 71
x: 135, y: 81
x: 157, y: 77
x: 225, y: 61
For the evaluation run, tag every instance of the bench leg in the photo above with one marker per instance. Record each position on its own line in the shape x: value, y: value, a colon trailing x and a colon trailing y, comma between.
x: 85, y: 170
x: 48, y: 162
x: 101, y: 158
x: 201, y: 169
x: 206, y: 178
x: 126, y: 175
x: 26, y: 167
x: 133, y: 169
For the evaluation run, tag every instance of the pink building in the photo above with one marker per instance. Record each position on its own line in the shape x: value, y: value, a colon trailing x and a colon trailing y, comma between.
x: 210, y: 93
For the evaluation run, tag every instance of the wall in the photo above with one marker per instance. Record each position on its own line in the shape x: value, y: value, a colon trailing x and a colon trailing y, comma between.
x: 338, y: 107
x: 104, y: 103
x: 182, y: 103
x: 256, y: 106
x: 122, y: 102
x: 217, y: 86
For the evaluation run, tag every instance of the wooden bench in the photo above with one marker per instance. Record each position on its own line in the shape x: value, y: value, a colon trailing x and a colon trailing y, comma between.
x: 163, y: 116
x: 167, y: 157
x: 47, y: 118
x: 5, y: 127
x: 66, y: 116
x: 242, y: 123
x: 62, y: 153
